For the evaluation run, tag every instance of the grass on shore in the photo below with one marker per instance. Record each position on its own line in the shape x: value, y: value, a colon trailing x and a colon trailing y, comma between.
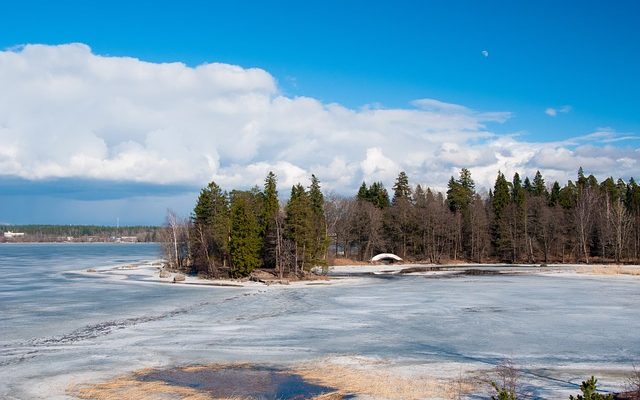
x: 367, y: 379
x: 377, y: 382
x: 608, y: 270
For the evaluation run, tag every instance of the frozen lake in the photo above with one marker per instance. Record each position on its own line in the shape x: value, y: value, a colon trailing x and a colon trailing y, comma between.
x: 58, y: 327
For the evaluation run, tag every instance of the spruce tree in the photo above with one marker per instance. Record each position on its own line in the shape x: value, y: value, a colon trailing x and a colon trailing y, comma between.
x: 527, y: 186
x: 401, y: 189
x: 517, y: 192
x: 363, y: 193
x: 539, y: 188
x: 299, y: 226
x: 270, y: 209
x: 320, y: 240
x: 499, y: 202
x: 244, y: 242
x: 554, y: 196
x: 378, y: 196
x: 211, y: 225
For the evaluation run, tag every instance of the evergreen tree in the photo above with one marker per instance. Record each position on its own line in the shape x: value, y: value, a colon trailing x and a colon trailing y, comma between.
x: 517, y: 191
x: 568, y: 196
x: 539, y: 188
x: 363, y: 193
x: 211, y: 225
x: 554, y: 196
x: 270, y: 209
x: 378, y: 196
x: 300, y: 229
x: 528, y: 187
x: 320, y: 240
x: 500, y: 202
x: 582, y: 180
x: 465, y: 180
x: 401, y: 189
x: 590, y: 391
x: 244, y: 242
x: 460, y: 192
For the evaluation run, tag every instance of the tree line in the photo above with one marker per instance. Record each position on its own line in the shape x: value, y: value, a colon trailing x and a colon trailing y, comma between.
x: 229, y: 234
x: 81, y: 233
x: 518, y: 221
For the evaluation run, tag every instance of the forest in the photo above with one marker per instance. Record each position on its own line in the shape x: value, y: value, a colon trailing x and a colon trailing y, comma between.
x: 519, y: 221
x: 79, y: 233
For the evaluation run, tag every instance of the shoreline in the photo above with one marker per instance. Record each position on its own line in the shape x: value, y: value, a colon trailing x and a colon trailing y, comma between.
x: 149, y: 272
x: 346, y: 376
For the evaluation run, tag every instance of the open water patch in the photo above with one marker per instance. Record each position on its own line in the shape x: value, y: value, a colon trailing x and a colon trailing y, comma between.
x: 242, y: 381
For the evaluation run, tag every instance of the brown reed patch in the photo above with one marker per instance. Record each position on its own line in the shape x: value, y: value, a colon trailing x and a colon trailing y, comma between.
x: 347, y: 261
x: 377, y: 382
x: 608, y: 270
x: 129, y: 388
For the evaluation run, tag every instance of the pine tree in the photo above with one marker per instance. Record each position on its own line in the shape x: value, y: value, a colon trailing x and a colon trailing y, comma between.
x: 590, y: 391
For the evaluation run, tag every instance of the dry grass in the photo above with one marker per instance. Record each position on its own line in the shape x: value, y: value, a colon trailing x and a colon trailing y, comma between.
x: 347, y: 261
x: 129, y: 388
x: 365, y: 378
x: 379, y: 383
x: 608, y: 270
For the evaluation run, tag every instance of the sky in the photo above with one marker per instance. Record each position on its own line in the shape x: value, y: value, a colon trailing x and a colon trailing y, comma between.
x: 123, y: 109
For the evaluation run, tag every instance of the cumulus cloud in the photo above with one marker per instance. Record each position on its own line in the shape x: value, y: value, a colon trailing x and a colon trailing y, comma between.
x: 552, y: 112
x: 67, y: 113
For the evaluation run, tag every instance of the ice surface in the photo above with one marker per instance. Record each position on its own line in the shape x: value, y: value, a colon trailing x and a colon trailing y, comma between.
x: 58, y: 328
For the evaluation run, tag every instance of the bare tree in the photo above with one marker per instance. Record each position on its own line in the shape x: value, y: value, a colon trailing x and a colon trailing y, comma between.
x: 506, y: 384
x: 338, y: 213
x: 175, y: 241
x: 621, y: 223
x: 633, y: 385
x: 583, y: 218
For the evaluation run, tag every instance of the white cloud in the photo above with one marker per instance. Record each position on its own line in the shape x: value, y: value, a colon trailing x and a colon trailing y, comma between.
x: 485, y: 53
x: 552, y: 112
x: 66, y: 112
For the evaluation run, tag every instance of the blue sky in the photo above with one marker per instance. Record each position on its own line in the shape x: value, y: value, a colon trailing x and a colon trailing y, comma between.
x: 562, y: 71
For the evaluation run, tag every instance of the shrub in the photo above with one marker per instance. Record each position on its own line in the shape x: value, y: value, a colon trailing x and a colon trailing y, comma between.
x: 589, y: 391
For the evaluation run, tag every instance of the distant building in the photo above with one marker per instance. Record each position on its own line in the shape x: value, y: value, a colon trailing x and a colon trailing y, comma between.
x: 127, y: 239
x: 11, y: 235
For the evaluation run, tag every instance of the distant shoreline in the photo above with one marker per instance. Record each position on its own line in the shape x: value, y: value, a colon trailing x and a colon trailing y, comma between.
x: 13, y: 242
